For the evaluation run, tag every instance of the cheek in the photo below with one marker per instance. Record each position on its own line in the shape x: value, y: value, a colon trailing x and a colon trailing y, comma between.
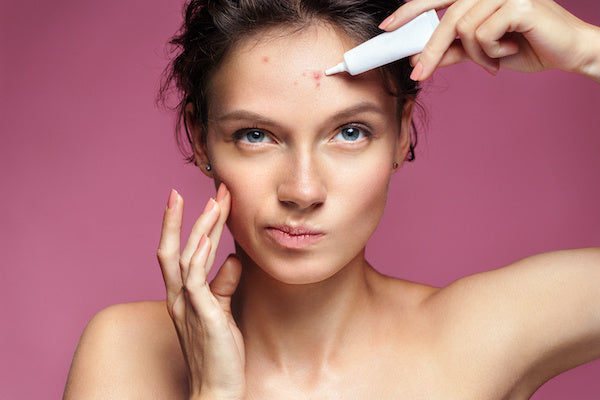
x: 248, y: 186
x: 363, y: 193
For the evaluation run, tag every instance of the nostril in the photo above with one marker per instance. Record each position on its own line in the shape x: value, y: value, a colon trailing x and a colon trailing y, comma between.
x: 294, y: 195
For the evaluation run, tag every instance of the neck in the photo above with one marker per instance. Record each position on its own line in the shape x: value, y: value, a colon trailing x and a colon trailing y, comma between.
x: 293, y: 327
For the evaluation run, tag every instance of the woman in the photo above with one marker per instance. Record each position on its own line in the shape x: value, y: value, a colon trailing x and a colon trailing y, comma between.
x: 302, y: 164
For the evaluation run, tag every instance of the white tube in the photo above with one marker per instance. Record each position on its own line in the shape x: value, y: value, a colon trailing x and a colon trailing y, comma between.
x: 387, y: 47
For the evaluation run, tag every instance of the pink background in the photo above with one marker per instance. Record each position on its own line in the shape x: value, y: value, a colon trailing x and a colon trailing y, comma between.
x: 506, y: 168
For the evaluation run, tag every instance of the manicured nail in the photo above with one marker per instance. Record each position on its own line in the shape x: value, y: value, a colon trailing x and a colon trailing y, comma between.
x: 172, y: 199
x: 386, y: 22
x: 222, y: 192
x: 493, y: 70
x: 417, y: 72
x: 209, y: 206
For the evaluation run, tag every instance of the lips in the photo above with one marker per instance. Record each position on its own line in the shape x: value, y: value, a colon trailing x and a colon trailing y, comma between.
x: 294, y: 237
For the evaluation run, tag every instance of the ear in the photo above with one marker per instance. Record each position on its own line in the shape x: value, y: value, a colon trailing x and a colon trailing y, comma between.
x: 403, y: 144
x: 198, y: 143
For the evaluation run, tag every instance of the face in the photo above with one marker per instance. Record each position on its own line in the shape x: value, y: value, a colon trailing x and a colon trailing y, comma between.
x: 307, y: 158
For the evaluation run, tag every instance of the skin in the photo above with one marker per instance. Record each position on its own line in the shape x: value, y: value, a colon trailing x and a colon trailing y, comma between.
x: 319, y: 321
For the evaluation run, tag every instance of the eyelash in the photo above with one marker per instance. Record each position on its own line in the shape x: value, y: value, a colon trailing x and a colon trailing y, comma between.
x: 240, y: 134
x: 360, y: 127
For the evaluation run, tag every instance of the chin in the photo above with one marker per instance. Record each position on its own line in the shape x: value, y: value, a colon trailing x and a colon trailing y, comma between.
x: 301, y: 269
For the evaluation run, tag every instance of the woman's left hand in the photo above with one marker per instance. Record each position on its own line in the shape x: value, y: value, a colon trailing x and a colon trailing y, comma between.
x: 523, y: 35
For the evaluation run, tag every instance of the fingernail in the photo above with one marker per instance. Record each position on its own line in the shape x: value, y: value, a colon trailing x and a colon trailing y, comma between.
x: 222, y: 192
x: 493, y: 70
x: 417, y: 72
x: 172, y: 199
x: 209, y: 206
x: 386, y: 22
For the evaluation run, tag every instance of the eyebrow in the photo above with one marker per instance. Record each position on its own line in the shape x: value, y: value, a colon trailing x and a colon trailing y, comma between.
x: 360, y: 107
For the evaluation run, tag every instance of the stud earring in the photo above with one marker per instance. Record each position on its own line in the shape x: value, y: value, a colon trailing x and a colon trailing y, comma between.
x: 395, y: 165
x: 208, y: 167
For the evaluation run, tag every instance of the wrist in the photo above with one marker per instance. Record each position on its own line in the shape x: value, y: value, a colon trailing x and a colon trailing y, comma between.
x: 590, y: 65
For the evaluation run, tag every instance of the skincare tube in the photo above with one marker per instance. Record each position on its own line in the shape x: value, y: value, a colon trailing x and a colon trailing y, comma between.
x: 387, y: 47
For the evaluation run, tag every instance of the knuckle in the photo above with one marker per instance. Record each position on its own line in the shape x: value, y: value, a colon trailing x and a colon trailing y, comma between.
x: 522, y: 7
x: 452, y: 13
x: 489, y: 46
x: 194, y: 285
x: 163, y: 254
x: 215, y: 318
x: 464, y: 26
x: 176, y: 312
x: 481, y: 35
x: 183, y: 264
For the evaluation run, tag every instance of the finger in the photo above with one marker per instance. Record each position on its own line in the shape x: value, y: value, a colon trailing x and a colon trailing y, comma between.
x: 204, y: 304
x: 195, y: 276
x: 203, y: 225
x: 195, y: 284
x: 225, y: 282
x: 441, y: 40
x: 467, y: 28
x: 168, y: 247
x: 454, y: 55
x: 223, y: 198
x: 410, y: 11
x: 492, y: 32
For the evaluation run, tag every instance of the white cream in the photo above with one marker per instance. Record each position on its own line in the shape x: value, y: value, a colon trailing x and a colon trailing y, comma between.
x: 387, y: 47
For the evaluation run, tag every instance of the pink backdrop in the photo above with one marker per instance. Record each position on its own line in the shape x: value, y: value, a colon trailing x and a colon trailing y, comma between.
x: 507, y: 167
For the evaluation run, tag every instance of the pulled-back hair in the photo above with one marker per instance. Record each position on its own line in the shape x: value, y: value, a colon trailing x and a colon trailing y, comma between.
x: 213, y: 27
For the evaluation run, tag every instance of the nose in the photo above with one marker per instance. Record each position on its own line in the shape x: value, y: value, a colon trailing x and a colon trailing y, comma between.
x: 302, y: 186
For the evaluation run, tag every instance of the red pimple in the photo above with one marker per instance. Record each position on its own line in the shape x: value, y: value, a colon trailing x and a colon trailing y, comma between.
x: 317, y: 75
x: 296, y: 83
x: 265, y: 59
x: 304, y: 74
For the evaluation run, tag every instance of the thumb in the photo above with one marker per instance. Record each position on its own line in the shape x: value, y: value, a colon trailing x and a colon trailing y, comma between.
x: 225, y: 282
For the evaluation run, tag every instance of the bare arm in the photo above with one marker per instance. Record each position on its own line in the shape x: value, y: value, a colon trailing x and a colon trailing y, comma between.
x: 528, y: 322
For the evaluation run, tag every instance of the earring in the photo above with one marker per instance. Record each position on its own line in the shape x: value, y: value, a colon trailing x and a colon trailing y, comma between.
x: 395, y: 165
x: 208, y: 167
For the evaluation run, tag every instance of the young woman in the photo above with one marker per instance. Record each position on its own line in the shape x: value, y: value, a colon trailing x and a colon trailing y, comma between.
x: 302, y: 163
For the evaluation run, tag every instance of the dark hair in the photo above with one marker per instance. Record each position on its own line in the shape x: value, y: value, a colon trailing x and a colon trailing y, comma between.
x: 212, y: 27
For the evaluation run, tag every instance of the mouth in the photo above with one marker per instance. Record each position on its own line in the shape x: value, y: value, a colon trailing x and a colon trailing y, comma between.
x: 294, y: 237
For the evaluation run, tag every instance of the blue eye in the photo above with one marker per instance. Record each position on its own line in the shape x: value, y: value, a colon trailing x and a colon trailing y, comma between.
x: 351, y: 134
x: 253, y: 136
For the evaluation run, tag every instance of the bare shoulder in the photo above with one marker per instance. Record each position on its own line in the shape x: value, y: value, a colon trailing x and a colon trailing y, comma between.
x: 523, y: 323
x: 525, y: 281
x: 127, y: 351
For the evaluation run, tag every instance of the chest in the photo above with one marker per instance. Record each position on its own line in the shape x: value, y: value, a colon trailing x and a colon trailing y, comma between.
x: 385, y: 376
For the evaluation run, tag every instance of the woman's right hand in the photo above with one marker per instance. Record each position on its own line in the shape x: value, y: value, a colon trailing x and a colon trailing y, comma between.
x: 523, y: 35
x: 211, y: 343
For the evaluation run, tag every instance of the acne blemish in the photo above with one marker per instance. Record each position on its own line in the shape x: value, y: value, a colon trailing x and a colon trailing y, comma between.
x: 316, y: 75
x: 295, y: 83
x: 266, y: 59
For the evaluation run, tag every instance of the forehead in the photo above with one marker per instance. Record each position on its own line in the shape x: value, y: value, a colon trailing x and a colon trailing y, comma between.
x: 281, y: 70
